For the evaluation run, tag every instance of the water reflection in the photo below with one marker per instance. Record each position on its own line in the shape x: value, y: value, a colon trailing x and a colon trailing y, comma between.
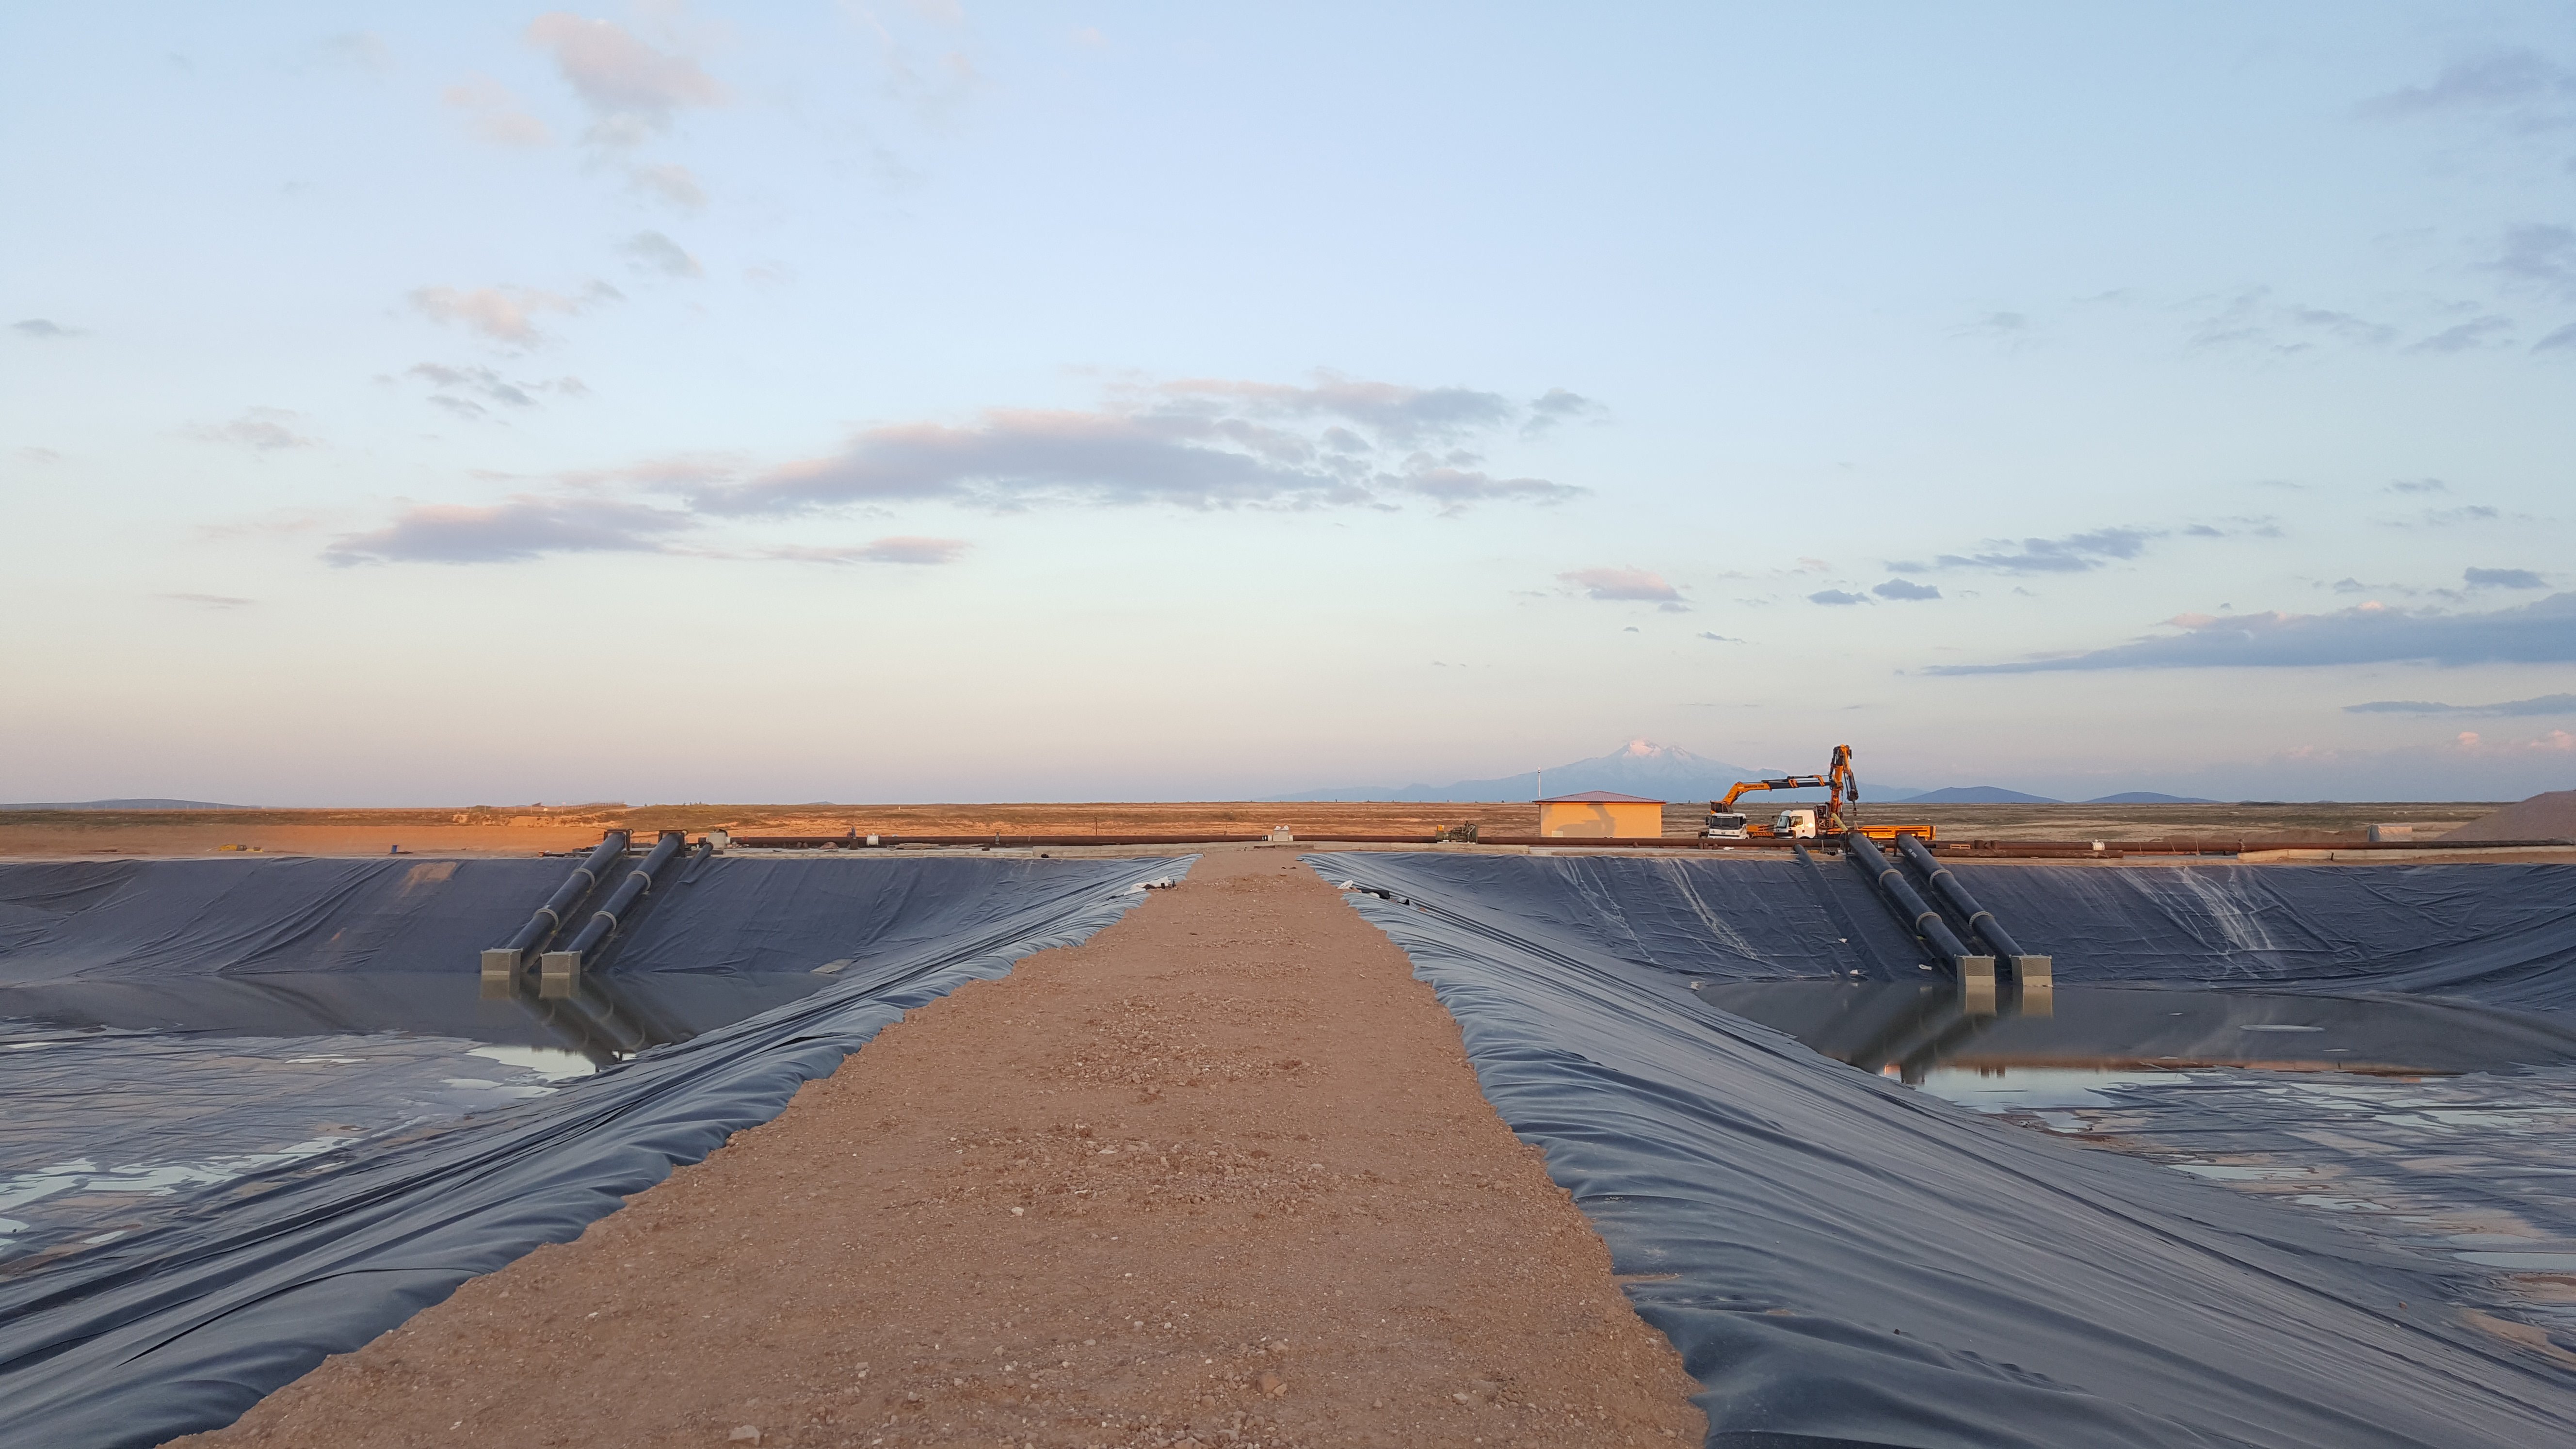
x: 1910, y: 1031
x: 607, y: 1016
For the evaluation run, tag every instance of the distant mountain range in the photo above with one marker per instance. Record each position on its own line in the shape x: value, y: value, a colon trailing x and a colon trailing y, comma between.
x: 1640, y: 767
x: 124, y: 805
x: 1669, y: 772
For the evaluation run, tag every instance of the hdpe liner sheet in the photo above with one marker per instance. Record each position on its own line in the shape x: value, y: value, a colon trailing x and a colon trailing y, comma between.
x: 185, y: 1326
x: 1844, y: 1261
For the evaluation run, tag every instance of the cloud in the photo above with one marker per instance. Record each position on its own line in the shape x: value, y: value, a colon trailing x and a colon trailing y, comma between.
x: 358, y: 49
x: 522, y: 528
x: 1719, y: 638
x: 504, y: 314
x: 1836, y: 597
x: 1200, y: 443
x: 38, y: 456
x: 631, y: 88
x: 1622, y: 585
x: 2538, y: 633
x: 2507, y: 80
x: 1455, y: 488
x: 493, y: 114
x: 2469, y: 336
x: 2504, y: 579
x: 266, y: 430
x: 655, y: 252
x: 2253, y: 319
x: 1203, y: 444
x: 2547, y: 704
x: 1900, y: 589
x: 671, y: 182
x: 2419, y: 485
x: 1400, y: 415
x: 2448, y: 517
x: 211, y: 601
x: 42, y: 330
x: 485, y: 383
x: 2563, y: 337
x: 2075, y: 553
x: 899, y: 550
x: 2541, y: 255
x: 1556, y: 406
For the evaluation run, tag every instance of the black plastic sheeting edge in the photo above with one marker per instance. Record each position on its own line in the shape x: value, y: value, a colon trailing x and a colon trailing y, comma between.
x: 1843, y: 1261
x: 184, y: 1328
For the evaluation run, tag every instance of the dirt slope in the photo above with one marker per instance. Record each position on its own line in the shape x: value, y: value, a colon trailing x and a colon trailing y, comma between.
x: 1221, y: 1176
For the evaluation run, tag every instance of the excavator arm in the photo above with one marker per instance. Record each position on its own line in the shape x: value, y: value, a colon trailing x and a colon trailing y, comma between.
x: 1785, y: 782
x: 1842, y: 788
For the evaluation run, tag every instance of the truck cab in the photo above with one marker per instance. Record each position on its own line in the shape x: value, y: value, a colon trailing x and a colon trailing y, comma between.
x: 1795, y: 825
x: 1725, y: 826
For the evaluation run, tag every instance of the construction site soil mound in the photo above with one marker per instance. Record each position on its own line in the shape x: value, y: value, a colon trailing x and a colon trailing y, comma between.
x: 2549, y: 816
x: 1219, y: 1176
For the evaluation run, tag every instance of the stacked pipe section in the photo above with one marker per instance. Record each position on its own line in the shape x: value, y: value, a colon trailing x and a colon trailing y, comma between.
x: 504, y: 961
x: 564, y: 965
x: 1976, y: 973
x: 2032, y: 971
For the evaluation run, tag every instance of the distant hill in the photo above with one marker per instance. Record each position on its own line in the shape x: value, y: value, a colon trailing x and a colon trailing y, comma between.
x: 125, y: 805
x: 1978, y: 795
x: 2150, y: 797
x: 1640, y: 767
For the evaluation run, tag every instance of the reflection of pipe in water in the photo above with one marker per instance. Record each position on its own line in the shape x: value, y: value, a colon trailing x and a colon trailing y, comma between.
x: 1935, y: 1024
x: 593, y: 1016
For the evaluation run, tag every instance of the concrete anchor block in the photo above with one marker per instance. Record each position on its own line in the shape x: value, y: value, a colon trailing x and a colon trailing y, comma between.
x: 1977, y: 985
x: 557, y: 973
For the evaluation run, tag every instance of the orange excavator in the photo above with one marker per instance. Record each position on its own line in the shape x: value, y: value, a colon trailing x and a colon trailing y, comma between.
x: 1803, y: 822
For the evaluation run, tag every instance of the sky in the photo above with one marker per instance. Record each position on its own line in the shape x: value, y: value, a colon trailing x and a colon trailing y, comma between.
x: 485, y: 403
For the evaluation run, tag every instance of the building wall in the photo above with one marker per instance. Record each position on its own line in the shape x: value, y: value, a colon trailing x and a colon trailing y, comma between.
x: 1602, y: 820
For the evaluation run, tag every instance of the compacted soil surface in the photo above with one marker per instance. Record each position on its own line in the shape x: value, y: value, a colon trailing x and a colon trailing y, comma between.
x: 1219, y: 1177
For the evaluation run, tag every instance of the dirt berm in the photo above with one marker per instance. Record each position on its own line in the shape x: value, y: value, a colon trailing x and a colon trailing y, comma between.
x: 1220, y: 1176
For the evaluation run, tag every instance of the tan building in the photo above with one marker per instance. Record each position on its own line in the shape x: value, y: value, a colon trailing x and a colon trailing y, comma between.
x: 1601, y: 815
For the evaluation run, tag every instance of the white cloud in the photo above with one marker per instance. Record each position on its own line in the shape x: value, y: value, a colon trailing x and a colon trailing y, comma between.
x: 504, y: 314
x: 265, y: 430
x: 670, y: 182
x: 632, y: 88
x: 1622, y: 585
x: 493, y: 114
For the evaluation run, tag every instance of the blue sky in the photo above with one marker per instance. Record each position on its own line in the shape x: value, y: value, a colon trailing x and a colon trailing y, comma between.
x: 903, y: 401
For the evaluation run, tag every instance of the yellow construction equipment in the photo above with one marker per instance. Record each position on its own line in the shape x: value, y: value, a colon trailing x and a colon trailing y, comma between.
x: 1804, y: 822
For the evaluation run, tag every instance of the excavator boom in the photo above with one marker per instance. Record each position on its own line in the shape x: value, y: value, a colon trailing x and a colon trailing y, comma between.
x: 1841, y: 787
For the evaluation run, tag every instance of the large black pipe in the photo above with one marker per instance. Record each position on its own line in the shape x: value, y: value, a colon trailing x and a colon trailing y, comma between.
x: 1915, y: 911
x: 629, y: 890
x: 1980, y: 920
x: 2032, y: 970
x: 550, y: 916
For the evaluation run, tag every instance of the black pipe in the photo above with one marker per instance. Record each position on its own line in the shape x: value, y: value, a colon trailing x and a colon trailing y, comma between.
x: 1980, y: 920
x: 1911, y: 907
x: 2030, y: 969
x: 628, y: 891
x: 550, y: 916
